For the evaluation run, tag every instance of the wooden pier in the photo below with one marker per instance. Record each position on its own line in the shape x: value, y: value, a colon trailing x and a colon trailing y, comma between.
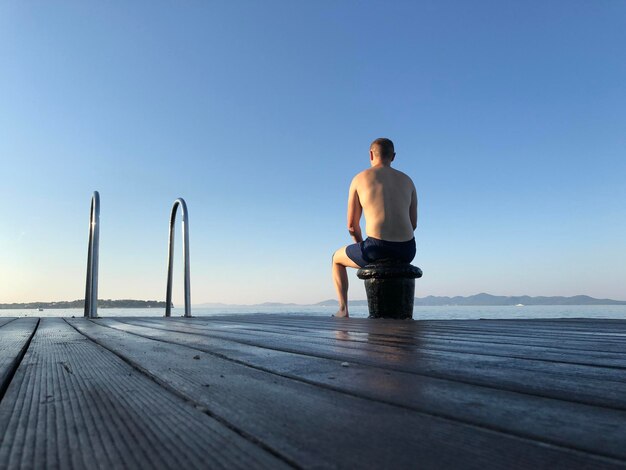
x: 278, y: 391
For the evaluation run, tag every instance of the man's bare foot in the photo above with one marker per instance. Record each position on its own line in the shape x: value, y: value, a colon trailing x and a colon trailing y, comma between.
x: 342, y: 313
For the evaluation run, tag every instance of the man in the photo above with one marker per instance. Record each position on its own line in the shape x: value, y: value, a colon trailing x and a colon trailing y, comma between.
x: 388, y: 200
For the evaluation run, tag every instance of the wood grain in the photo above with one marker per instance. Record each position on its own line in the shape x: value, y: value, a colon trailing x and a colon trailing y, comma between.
x: 73, y: 404
x: 14, y: 337
x: 299, y: 404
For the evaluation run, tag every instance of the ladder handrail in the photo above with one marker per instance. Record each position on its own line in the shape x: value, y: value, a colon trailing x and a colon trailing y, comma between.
x: 170, y: 258
x: 91, y: 288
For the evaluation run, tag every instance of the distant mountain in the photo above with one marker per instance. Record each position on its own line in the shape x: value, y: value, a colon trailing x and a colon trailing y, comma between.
x: 497, y: 300
x: 477, y: 300
x: 334, y: 303
x: 264, y: 304
x: 275, y: 304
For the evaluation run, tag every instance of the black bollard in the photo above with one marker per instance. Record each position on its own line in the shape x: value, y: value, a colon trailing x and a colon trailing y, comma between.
x: 390, y: 288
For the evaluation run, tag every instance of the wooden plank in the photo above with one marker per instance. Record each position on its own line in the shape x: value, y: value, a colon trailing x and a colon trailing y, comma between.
x: 5, y: 320
x: 589, y: 324
x: 398, y: 331
x: 427, y: 341
x: 577, y: 329
x: 567, y: 336
x: 598, y: 386
x: 14, y: 337
x: 562, y: 422
x: 566, y: 332
x: 538, y: 349
x: 303, y: 420
x: 72, y: 404
x: 594, y: 325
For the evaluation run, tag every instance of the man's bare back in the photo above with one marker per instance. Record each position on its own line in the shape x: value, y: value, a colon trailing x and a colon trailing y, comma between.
x: 388, y: 200
x: 389, y: 203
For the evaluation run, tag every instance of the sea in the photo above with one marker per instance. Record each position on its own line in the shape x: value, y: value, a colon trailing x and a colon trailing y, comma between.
x: 447, y: 312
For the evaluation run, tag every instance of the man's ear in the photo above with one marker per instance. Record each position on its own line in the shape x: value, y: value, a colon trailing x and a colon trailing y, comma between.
x: 371, y: 156
x: 393, y: 157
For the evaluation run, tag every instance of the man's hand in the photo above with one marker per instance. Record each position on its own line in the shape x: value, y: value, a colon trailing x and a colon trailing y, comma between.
x: 356, y: 234
x: 354, y: 213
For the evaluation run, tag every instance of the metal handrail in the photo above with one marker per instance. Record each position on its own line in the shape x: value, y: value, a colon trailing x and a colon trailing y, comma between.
x: 91, y: 289
x: 170, y: 258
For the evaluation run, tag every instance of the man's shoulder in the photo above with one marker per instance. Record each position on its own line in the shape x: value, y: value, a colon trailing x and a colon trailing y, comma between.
x: 365, y: 172
x: 401, y: 174
x: 404, y: 176
x: 361, y: 176
x: 372, y: 173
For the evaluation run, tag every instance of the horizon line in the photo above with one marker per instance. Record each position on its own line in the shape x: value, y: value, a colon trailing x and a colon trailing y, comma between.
x: 200, y: 304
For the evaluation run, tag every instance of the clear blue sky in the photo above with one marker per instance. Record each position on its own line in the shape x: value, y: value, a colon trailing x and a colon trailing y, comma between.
x: 510, y: 117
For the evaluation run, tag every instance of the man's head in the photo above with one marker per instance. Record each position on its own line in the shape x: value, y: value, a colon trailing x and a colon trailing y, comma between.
x: 382, y: 149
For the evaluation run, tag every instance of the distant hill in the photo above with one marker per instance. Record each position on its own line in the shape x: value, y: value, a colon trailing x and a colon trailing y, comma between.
x: 482, y: 299
x: 488, y: 299
x: 497, y: 300
x: 334, y: 303
x: 264, y: 304
x: 102, y: 303
x: 473, y: 300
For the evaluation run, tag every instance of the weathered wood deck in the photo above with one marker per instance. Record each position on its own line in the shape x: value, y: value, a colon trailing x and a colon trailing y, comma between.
x: 270, y: 391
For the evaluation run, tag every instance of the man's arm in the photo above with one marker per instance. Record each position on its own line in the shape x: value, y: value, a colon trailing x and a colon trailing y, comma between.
x: 354, y: 213
x: 413, y: 209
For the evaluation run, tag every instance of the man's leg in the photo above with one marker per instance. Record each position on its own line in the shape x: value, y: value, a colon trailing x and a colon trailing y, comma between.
x: 340, y: 277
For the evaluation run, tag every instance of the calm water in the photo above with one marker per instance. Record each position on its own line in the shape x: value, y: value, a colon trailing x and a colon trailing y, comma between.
x: 423, y: 313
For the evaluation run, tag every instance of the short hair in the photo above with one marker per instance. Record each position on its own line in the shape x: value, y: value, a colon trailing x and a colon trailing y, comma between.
x: 383, y: 147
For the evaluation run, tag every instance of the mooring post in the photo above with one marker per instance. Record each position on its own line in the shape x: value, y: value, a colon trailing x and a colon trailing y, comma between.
x: 390, y: 289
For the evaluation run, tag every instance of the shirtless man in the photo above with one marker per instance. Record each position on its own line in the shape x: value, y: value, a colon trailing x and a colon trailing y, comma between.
x: 388, y: 200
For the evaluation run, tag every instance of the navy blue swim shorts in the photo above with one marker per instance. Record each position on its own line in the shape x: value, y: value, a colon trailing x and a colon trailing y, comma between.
x: 371, y: 250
